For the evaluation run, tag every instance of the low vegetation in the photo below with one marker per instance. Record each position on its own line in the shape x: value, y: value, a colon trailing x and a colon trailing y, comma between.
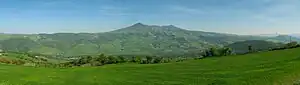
x: 266, y: 68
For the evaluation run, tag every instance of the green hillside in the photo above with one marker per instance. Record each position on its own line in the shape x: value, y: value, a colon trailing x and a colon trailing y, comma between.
x: 138, y: 39
x: 267, y: 68
x: 28, y: 59
x: 256, y: 45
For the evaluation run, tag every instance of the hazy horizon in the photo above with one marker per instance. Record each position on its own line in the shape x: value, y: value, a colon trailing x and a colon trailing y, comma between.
x: 243, y: 17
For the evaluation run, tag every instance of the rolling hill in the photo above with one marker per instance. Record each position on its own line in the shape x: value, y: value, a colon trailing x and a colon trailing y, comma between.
x: 257, y: 45
x: 138, y: 39
x: 266, y: 68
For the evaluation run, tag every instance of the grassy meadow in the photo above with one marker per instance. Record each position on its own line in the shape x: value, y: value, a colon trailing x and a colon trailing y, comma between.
x: 266, y: 68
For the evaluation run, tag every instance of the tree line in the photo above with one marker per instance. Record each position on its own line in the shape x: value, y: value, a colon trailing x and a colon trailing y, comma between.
x: 211, y: 52
x: 100, y: 60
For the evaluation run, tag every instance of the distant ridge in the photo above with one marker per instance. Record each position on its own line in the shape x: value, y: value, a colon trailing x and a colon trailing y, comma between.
x: 295, y: 35
x: 140, y: 27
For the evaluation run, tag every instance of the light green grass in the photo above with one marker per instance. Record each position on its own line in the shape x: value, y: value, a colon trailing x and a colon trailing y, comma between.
x: 269, y: 68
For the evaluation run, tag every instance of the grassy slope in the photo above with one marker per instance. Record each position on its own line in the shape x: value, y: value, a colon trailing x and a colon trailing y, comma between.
x: 277, y: 67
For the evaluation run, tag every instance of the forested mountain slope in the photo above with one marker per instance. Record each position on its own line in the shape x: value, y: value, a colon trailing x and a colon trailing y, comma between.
x: 138, y: 39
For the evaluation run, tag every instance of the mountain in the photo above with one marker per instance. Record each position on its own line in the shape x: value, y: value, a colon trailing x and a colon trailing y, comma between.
x: 138, y: 39
x: 268, y: 35
x: 258, y: 45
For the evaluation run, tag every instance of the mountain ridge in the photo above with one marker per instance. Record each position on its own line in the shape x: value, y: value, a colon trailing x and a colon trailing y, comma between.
x: 137, y: 39
x: 295, y: 35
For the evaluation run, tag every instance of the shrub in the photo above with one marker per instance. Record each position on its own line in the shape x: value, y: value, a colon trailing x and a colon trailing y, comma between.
x: 149, y: 59
x: 158, y: 60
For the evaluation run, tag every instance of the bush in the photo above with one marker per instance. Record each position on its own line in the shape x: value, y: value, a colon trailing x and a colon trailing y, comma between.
x: 149, y: 59
x: 111, y: 60
x: 158, y: 60
x: 121, y: 59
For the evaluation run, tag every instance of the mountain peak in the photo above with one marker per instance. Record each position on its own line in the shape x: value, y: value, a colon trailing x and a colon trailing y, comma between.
x: 139, y: 27
x: 138, y: 24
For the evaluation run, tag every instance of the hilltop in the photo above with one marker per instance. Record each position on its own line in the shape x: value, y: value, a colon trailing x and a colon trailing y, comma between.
x: 256, y: 45
x: 138, y: 39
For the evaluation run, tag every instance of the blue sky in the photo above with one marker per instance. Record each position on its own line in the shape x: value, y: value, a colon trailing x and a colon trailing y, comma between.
x: 226, y: 16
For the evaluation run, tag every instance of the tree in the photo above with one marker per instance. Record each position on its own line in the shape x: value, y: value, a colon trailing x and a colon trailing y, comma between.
x: 102, y: 58
x: 83, y: 60
x: 157, y: 59
x: 149, y: 59
x: 111, y: 60
x: 138, y: 59
x: 214, y: 52
x: 250, y: 49
x: 133, y: 59
x: 121, y: 59
x: 226, y: 51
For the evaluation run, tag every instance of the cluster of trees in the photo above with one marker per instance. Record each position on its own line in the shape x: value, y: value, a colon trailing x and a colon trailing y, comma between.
x: 214, y: 52
x: 26, y: 59
x: 103, y: 59
x: 11, y: 61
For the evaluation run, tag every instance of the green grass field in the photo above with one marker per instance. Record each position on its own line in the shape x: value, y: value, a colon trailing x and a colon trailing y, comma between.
x: 268, y: 68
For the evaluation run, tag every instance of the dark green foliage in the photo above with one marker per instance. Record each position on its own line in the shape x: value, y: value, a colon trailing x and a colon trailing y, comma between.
x: 149, y: 59
x: 226, y: 51
x: 158, y: 60
x: 96, y: 60
x: 214, y: 52
x: 250, y: 50
x: 103, y: 60
x: 138, y: 59
x: 211, y: 52
x: 112, y: 60
x: 133, y: 59
x: 121, y: 59
x: 83, y: 60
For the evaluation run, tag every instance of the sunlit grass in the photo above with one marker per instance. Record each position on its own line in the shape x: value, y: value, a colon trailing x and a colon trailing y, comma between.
x: 268, y: 68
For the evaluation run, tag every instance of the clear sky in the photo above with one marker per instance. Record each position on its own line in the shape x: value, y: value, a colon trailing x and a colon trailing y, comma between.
x: 227, y: 16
